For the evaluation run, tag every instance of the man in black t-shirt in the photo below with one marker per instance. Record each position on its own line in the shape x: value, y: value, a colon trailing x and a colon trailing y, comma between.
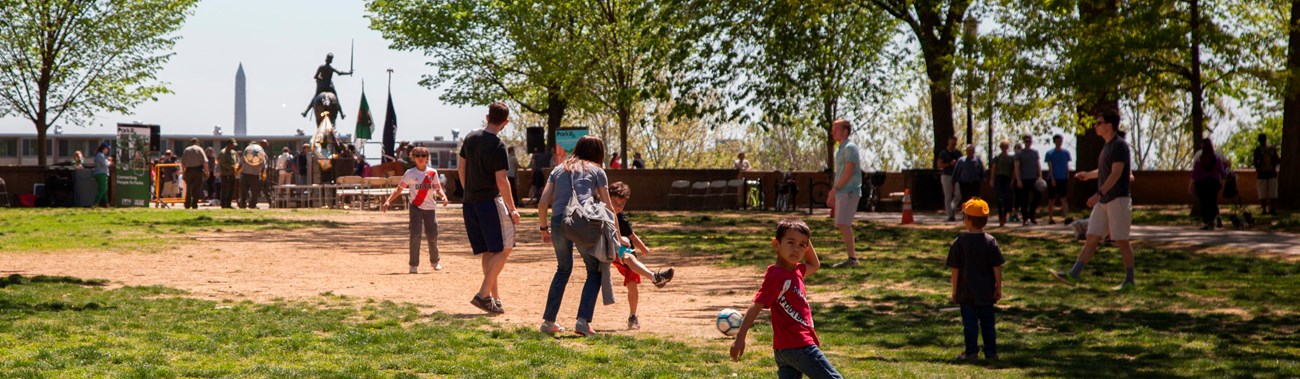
x: 1266, y: 160
x: 1112, y: 205
x: 489, y: 207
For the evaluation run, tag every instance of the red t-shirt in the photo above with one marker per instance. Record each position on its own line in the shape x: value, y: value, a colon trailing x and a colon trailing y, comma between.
x: 792, y: 322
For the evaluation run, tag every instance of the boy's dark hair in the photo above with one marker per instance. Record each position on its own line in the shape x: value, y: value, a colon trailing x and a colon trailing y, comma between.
x: 620, y: 190
x: 1057, y: 137
x: 792, y: 223
x: 498, y: 113
x: 978, y: 221
x: 1111, y: 116
x: 1263, y: 138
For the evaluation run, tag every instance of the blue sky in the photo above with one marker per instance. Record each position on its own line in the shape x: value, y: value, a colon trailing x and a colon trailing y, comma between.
x: 280, y: 44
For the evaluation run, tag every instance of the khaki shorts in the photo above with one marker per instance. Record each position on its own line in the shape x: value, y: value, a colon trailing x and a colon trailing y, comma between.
x: 1113, y: 219
x: 1266, y: 188
x: 846, y: 206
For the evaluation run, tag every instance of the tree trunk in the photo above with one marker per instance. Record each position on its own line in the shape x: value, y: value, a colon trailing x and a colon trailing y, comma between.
x: 41, y: 136
x: 555, y: 107
x: 623, y: 115
x: 1289, y: 177
x: 828, y: 118
x: 941, y: 113
x: 1197, y: 86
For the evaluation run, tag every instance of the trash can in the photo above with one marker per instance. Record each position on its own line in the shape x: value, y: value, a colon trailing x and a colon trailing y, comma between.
x: 84, y: 188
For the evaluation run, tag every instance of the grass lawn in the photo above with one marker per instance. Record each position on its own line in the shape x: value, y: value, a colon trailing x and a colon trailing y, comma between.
x: 66, y: 327
x: 1179, y: 215
x: 1192, y: 316
x: 133, y: 229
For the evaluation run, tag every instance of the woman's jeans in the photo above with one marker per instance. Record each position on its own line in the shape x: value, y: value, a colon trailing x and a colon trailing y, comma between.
x: 101, y: 186
x: 563, y: 268
x: 1207, y: 193
x: 797, y: 362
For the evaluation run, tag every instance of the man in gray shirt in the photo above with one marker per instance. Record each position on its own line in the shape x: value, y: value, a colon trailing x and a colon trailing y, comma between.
x: 1028, y: 172
x: 1112, y: 205
x: 195, y: 162
x: 252, y: 166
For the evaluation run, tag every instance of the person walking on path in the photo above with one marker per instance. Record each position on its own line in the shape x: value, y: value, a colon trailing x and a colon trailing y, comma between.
x: 1058, y: 163
x: 947, y: 162
x: 214, y: 180
x: 426, y: 190
x: 969, y: 173
x: 489, y: 208
x: 101, y: 175
x: 195, y: 162
x: 1208, y: 172
x: 512, y: 171
x: 1004, y: 166
x: 252, y: 167
x: 1266, y: 162
x: 1112, y: 205
x: 847, y: 189
x: 578, y: 179
x: 226, y: 162
x: 1028, y: 172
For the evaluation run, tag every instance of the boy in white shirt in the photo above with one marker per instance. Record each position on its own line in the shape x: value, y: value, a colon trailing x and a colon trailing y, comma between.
x: 425, y: 192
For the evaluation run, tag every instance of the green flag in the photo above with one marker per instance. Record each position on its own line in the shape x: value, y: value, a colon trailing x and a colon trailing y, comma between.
x: 365, y: 123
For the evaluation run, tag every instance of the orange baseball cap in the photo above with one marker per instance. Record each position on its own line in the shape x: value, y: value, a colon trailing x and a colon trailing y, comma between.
x: 975, y: 207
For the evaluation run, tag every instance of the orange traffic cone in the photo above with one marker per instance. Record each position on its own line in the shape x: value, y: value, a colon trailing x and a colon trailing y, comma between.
x: 907, y: 207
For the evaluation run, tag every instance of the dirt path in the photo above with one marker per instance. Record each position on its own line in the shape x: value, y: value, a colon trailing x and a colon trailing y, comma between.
x: 367, y: 258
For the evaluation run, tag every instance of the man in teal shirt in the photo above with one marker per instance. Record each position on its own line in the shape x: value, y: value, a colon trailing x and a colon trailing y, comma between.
x: 847, y: 189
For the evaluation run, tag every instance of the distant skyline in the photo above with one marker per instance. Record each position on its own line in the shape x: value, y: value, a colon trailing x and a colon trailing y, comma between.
x: 280, y: 44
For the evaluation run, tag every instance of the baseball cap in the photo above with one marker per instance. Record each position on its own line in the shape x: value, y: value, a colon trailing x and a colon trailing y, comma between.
x: 975, y: 207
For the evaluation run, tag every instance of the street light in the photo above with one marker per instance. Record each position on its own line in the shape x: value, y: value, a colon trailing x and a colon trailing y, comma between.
x: 970, y: 30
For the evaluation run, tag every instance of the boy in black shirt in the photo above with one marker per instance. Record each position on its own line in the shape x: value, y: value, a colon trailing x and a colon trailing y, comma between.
x: 627, y: 262
x: 976, y: 262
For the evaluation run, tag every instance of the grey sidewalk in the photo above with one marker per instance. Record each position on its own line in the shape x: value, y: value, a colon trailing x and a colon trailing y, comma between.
x: 1279, y: 243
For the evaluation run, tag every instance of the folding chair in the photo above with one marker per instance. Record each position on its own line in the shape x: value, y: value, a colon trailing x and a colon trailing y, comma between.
x: 4, y: 194
x: 717, y: 195
x: 699, y: 193
x: 678, y: 190
x: 733, y: 190
x: 376, y: 188
x: 350, y: 191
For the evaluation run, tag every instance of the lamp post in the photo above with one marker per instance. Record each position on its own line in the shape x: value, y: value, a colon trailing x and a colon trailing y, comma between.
x: 970, y: 30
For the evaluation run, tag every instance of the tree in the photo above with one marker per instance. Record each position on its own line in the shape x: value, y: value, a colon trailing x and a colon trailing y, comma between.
x: 1289, y: 177
x: 629, y: 49
x: 486, y: 51
x: 65, y: 60
x: 934, y: 23
x: 796, y: 61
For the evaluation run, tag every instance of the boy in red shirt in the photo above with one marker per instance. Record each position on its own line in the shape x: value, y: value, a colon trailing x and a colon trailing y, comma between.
x: 793, y: 338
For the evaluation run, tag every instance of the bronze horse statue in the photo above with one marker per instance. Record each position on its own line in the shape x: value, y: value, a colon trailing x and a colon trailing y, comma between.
x: 326, y: 108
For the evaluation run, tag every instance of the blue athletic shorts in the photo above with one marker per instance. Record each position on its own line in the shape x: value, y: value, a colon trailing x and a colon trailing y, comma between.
x: 489, y: 226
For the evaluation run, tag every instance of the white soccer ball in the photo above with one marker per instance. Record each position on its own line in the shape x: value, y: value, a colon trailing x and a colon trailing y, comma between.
x: 729, y: 321
x: 1040, y: 184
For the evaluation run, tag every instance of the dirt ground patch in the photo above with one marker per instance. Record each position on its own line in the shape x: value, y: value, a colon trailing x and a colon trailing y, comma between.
x: 366, y: 257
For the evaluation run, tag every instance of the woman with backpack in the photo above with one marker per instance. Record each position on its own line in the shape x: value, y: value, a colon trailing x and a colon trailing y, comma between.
x: 577, y: 194
x: 1208, y: 172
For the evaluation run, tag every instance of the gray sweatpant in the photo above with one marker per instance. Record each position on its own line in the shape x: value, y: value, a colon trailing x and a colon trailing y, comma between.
x: 423, y: 220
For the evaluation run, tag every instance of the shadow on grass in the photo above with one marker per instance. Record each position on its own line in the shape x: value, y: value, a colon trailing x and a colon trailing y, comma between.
x: 17, y: 279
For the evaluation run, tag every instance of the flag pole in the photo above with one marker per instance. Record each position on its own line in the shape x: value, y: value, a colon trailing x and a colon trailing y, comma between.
x: 352, y: 55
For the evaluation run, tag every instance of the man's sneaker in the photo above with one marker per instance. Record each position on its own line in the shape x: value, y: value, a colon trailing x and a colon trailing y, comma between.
x: 485, y: 304
x: 847, y: 263
x: 550, y: 328
x: 437, y: 266
x: 662, y: 278
x: 415, y: 269
x: 1063, y: 277
x: 1125, y: 286
x: 968, y: 357
x: 583, y: 328
x: 633, y: 323
x: 497, y: 302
